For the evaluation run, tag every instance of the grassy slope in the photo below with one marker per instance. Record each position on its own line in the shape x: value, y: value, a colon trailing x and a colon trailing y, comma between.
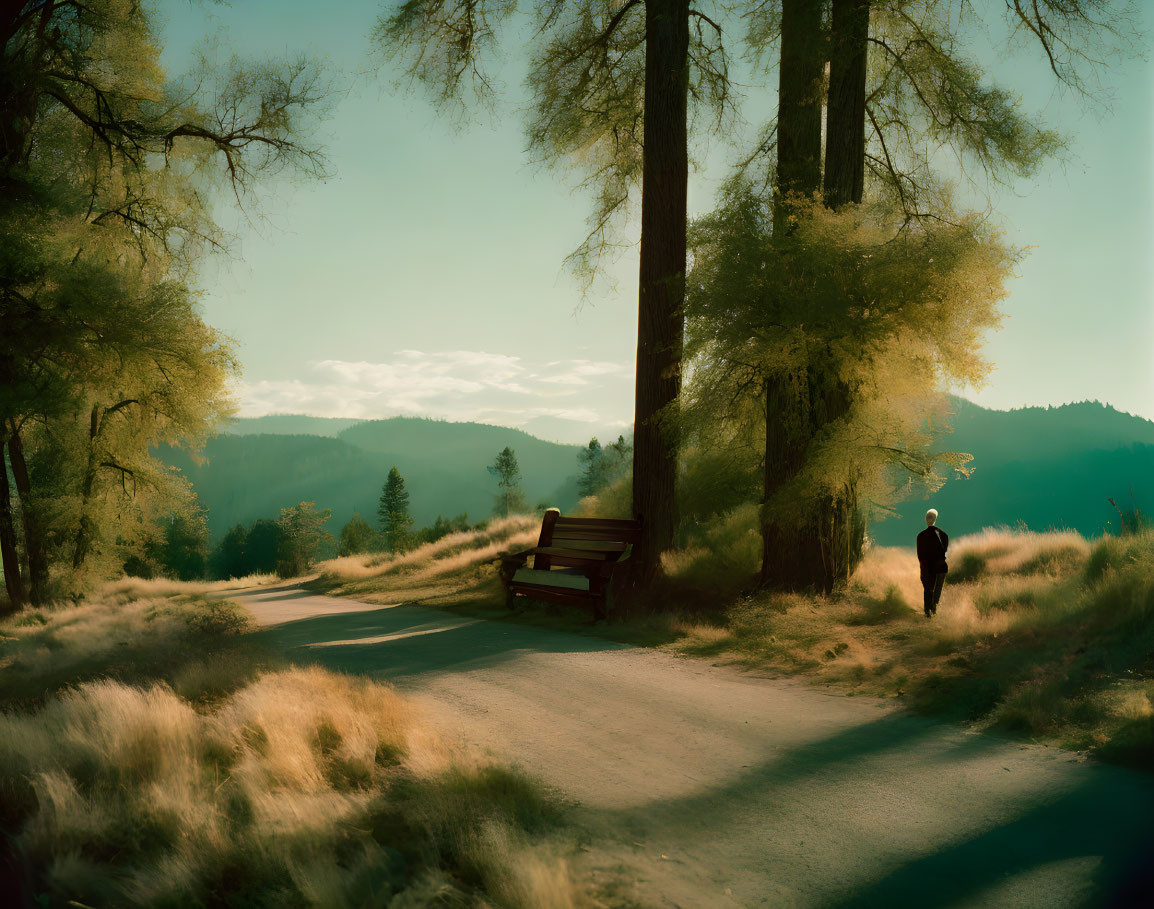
x: 152, y: 755
x: 1043, y: 635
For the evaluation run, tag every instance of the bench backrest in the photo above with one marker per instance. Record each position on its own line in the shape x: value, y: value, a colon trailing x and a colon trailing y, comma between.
x: 586, y: 533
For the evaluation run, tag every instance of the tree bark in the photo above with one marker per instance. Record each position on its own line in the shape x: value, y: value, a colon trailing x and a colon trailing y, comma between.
x: 84, y: 528
x: 660, y: 327
x: 34, y: 544
x: 821, y: 542
x: 13, y: 582
x: 801, y: 77
x: 845, y: 117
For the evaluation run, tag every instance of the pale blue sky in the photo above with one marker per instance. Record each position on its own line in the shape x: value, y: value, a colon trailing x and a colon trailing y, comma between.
x: 424, y: 277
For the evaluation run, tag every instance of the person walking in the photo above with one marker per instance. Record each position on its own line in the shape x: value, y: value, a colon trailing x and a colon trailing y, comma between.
x: 932, y: 545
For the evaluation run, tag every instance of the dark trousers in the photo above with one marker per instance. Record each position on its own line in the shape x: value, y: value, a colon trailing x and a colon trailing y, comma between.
x: 932, y: 582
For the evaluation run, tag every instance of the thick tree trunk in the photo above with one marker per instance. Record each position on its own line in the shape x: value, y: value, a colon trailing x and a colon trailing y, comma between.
x: 660, y: 328
x: 800, y: 100
x: 13, y: 581
x: 34, y: 544
x: 787, y: 404
x: 845, y: 117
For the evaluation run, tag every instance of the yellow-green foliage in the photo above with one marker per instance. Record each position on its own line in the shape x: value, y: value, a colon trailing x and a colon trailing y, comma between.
x: 721, y: 558
x: 854, y: 320
x: 293, y: 787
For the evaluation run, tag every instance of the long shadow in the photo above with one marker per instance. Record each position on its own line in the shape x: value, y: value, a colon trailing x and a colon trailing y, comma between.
x: 1102, y: 818
x: 1106, y: 815
x: 404, y: 642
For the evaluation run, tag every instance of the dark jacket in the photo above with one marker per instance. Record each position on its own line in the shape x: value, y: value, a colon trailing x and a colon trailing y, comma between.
x: 932, y: 545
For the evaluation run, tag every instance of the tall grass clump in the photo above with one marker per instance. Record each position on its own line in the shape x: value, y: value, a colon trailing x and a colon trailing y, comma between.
x: 720, y: 559
x: 450, y: 553
x: 304, y: 788
x: 137, y: 771
x: 194, y: 643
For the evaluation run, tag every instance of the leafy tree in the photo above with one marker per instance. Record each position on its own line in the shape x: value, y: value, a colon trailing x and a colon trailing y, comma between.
x: 393, y: 512
x: 357, y: 536
x: 182, y: 552
x: 230, y: 559
x: 302, y: 536
x: 591, y: 459
x: 899, y: 87
x: 877, y: 308
x: 505, y: 470
x: 262, y: 547
x: 104, y: 166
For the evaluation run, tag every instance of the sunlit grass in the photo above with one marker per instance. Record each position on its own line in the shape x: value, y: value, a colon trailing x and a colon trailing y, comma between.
x: 435, y: 571
x: 151, y: 755
x: 1042, y: 634
x: 1045, y: 635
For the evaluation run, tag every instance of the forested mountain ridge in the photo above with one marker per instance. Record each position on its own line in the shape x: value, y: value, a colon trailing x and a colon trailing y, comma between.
x: 1048, y: 467
x: 246, y: 476
x: 288, y: 424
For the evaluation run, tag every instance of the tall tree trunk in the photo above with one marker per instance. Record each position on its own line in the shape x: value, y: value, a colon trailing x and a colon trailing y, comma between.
x: 13, y: 582
x: 799, y: 100
x: 845, y: 118
x: 84, y: 528
x: 660, y: 327
x: 787, y: 547
x: 34, y: 544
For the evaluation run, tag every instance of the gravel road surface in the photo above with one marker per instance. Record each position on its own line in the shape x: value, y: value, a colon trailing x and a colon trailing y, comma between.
x: 704, y: 786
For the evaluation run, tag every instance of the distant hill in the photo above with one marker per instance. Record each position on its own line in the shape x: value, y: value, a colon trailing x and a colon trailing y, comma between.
x: 249, y: 476
x: 1049, y: 467
x: 289, y: 424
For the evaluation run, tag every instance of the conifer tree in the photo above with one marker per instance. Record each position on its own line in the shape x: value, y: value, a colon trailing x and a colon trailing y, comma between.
x: 393, y: 512
x: 507, y: 471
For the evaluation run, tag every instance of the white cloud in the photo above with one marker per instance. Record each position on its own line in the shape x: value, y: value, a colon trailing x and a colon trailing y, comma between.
x: 457, y: 385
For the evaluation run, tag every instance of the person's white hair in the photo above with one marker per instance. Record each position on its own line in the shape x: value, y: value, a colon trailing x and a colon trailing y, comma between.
x: 931, y: 517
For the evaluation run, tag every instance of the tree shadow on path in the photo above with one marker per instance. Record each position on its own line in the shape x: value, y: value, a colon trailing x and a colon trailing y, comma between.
x: 1057, y: 813
x: 1102, y: 813
x: 398, y: 643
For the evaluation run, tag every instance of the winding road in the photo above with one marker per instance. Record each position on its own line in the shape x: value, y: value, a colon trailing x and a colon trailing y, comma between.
x: 703, y: 786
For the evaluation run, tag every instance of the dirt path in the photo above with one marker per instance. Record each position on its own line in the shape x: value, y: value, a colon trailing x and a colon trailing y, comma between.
x: 702, y: 786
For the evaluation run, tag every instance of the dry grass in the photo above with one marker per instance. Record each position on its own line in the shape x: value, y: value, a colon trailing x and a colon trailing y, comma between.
x: 1045, y: 634
x: 127, y: 589
x: 453, y: 567
x: 127, y: 786
x: 1042, y: 634
x: 193, y: 643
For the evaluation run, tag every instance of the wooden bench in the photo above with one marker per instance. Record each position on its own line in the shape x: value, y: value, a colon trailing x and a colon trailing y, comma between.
x: 573, y: 561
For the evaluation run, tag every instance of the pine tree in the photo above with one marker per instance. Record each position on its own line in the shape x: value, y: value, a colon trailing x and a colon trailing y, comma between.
x: 592, y: 460
x: 393, y: 512
x: 507, y: 472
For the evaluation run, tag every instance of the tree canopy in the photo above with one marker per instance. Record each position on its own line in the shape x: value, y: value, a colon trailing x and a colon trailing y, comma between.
x: 107, y: 167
